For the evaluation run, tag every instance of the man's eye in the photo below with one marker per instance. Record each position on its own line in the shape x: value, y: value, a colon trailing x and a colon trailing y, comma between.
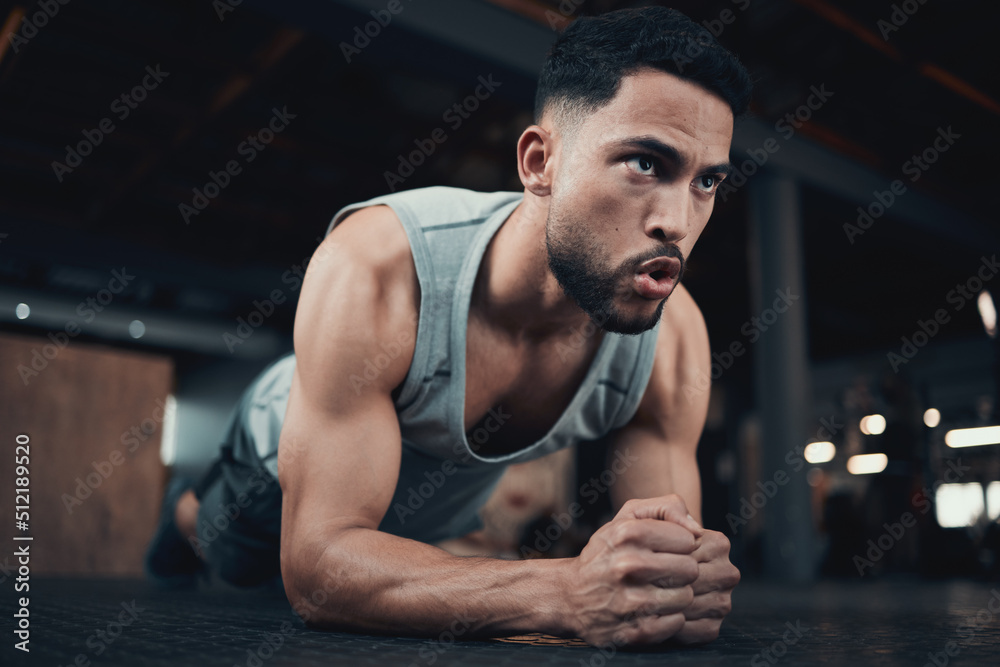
x: 642, y: 164
x: 708, y: 182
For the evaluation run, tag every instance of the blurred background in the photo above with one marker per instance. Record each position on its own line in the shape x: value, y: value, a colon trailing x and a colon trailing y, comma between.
x: 168, y: 167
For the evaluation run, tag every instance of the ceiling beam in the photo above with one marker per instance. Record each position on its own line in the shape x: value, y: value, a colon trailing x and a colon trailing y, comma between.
x: 239, y: 84
x: 848, y: 179
x: 935, y: 73
x: 473, y: 26
x: 517, y: 42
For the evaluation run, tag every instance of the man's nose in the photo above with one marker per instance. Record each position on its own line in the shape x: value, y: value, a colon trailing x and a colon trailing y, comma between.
x: 671, y: 219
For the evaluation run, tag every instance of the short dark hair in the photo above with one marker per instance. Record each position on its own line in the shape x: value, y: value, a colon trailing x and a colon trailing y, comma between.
x: 586, y: 64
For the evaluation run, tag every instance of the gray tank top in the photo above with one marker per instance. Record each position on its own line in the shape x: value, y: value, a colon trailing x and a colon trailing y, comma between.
x: 443, y: 481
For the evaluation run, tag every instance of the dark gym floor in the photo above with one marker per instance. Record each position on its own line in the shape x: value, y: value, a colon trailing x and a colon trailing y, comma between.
x: 884, y: 623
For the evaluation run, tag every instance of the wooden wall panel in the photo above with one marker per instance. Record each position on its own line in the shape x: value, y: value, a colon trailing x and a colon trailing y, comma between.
x: 87, y: 405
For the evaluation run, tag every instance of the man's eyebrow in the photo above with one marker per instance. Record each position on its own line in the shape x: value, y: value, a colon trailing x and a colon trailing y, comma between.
x: 667, y: 152
x: 724, y: 168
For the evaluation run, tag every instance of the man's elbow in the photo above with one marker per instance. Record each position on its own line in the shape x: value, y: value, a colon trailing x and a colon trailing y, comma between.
x: 317, y: 584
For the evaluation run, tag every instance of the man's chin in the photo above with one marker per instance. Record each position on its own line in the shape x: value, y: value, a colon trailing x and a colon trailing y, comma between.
x: 616, y: 322
x: 629, y: 328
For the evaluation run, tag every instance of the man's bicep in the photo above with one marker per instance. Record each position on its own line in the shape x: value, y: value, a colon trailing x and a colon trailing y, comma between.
x: 340, y: 445
x: 337, y: 469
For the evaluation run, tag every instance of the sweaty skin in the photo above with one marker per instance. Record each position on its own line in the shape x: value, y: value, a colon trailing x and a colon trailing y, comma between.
x: 635, y: 179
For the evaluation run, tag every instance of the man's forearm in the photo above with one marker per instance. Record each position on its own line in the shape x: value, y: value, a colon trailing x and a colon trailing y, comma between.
x: 370, y: 581
x: 653, y: 469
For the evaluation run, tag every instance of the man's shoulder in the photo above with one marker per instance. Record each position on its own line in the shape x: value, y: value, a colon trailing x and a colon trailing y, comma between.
x: 683, y: 354
x: 447, y: 193
x: 441, y: 206
x: 371, y: 238
x: 678, y: 388
x: 682, y: 327
x: 434, y: 208
x: 360, y: 291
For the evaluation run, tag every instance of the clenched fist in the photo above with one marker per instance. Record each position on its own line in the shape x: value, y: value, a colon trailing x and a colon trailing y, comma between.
x: 649, y: 575
x: 713, y: 589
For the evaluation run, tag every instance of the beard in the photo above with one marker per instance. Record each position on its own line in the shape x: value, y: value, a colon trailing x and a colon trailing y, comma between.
x: 576, y: 260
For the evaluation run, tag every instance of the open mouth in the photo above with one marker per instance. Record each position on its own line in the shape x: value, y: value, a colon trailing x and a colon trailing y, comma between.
x: 656, y: 278
x: 658, y: 275
x: 661, y: 268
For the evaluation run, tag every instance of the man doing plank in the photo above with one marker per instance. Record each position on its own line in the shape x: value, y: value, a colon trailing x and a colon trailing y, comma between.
x: 437, y: 341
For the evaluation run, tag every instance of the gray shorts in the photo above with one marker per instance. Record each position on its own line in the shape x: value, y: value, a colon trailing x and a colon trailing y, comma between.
x: 239, y: 521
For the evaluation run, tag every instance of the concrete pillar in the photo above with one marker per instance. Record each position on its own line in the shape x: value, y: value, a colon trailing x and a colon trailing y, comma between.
x: 781, y: 374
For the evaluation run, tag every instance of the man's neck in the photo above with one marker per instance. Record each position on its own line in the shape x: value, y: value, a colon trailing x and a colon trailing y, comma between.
x: 515, y: 291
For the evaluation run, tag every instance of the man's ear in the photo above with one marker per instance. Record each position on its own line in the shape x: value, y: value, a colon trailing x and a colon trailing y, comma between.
x: 535, y: 160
